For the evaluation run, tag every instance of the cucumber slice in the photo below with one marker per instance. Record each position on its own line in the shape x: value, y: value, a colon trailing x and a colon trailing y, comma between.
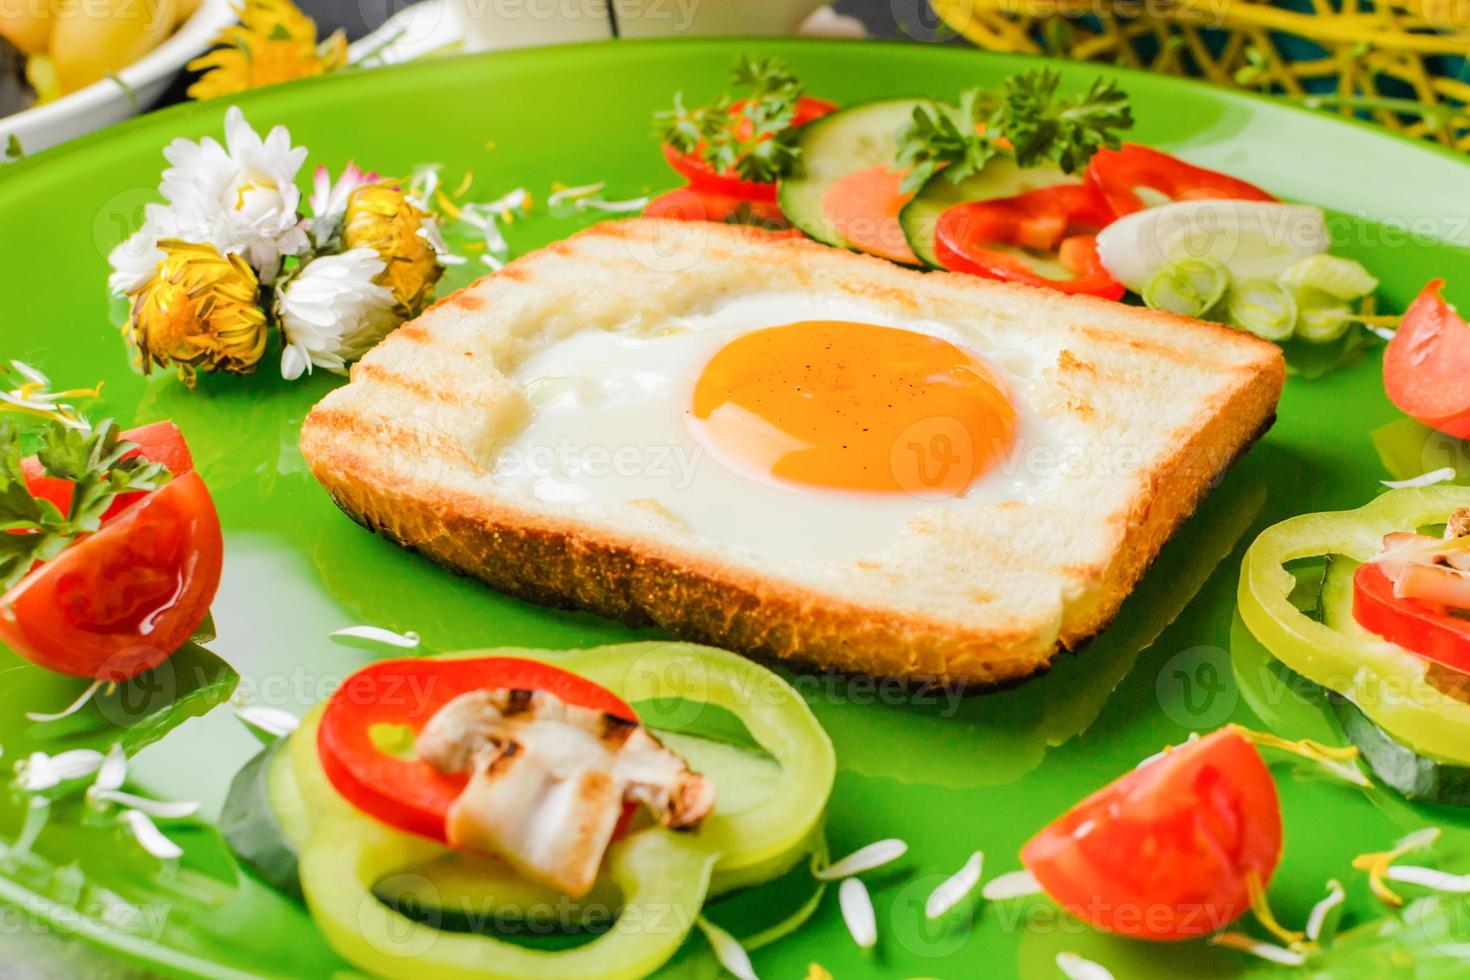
x: 1396, y: 764
x: 1416, y: 776
x: 1001, y: 177
x: 264, y: 841
x: 850, y: 139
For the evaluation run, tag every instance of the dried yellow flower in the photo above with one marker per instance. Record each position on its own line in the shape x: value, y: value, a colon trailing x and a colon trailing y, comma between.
x: 199, y: 311
x: 274, y: 42
x: 381, y: 217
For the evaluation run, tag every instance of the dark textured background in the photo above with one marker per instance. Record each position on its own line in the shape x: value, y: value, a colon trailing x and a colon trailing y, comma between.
x: 883, y: 18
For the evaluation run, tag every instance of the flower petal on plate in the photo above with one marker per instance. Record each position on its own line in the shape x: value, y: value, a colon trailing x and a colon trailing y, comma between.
x: 1441, y: 475
x: 1075, y: 967
x: 375, y: 635
x: 728, y: 951
x: 867, y: 858
x: 149, y: 837
x: 857, y: 912
x: 955, y: 888
x: 1016, y: 884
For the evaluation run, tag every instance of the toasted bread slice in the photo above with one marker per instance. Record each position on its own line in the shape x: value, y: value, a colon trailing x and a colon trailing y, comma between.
x: 981, y: 590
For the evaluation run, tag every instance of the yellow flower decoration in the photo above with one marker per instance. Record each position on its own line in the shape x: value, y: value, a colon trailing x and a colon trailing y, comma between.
x: 199, y: 311
x: 381, y: 217
x: 274, y: 42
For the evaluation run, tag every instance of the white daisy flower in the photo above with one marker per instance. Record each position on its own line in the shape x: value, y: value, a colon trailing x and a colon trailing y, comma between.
x: 329, y: 198
x: 136, y: 258
x: 332, y: 312
x: 242, y: 196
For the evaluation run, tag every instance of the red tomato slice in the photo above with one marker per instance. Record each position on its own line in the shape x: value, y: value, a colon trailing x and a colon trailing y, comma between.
x: 405, y: 792
x: 1427, y: 364
x: 1038, y: 220
x: 1416, y: 626
x: 703, y: 177
x: 1117, y: 174
x: 1164, y: 852
x: 864, y: 207
x: 120, y: 601
x: 691, y: 204
x: 161, y: 442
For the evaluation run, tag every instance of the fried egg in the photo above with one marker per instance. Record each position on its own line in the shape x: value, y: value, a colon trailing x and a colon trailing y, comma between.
x: 789, y: 425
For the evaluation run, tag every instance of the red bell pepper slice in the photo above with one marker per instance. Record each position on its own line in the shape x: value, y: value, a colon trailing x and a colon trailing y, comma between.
x: 1426, y: 368
x: 1117, y: 175
x: 1060, y: 218
x: 693, y: 204
x: 408, y: 793
x: 1416, y: 626
x: 705, y: 178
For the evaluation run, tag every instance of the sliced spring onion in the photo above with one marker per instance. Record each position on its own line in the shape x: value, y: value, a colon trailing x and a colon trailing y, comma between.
x: 1321, y: 317
x: 1250, y: 238
x: 1337, y: 277
x: 1262, y: 307
x: 1191, y: 287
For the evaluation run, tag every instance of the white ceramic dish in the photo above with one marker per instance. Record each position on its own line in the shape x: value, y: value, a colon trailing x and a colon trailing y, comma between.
x: 106, y: 102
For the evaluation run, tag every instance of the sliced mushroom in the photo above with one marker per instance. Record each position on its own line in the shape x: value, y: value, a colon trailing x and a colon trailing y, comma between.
x: 548, y: 781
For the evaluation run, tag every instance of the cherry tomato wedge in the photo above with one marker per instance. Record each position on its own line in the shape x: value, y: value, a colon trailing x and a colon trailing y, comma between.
x: 122, y: 600
x: 704, y: 177
x: 405, y: 792
x: 1165, y: 852
x: 691, y: 204
x: 1416, y: 626
x: 1118, y: 174
x: 1060, y: 218
x: 1427, y: 364
x: 161, y: 442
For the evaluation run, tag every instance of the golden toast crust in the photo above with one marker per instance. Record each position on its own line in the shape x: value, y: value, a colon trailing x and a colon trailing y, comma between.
x: 393, y: 450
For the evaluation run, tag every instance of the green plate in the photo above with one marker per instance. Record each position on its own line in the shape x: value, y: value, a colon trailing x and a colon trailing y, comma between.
x: 949, y: 777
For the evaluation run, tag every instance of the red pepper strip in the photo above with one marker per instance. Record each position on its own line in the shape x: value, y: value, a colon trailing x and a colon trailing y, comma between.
x: 1039, y: 219
x: 1416, y: 626
x: 693, y: 204
x: 408, y: 793
x: 704, y: 177
x: 1117, y: 175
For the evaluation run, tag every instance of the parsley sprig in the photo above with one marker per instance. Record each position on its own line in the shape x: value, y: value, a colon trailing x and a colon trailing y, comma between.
x: 745, y: 132
x: 1028, y: 119
x: 92, y: 459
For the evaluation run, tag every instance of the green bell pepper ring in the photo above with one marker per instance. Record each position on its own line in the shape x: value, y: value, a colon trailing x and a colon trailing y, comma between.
x: 663, y: 877
x: 657, y: 871
x: 1392, y: 686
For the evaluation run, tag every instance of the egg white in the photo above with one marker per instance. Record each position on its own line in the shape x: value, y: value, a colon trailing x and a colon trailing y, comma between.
x: 609, y: 425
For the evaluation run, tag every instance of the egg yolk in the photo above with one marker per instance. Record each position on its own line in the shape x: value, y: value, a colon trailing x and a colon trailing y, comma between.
x: 854, y: 406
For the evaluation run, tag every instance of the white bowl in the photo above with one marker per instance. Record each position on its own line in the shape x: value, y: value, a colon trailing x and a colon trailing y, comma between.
x: 106, y: 102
